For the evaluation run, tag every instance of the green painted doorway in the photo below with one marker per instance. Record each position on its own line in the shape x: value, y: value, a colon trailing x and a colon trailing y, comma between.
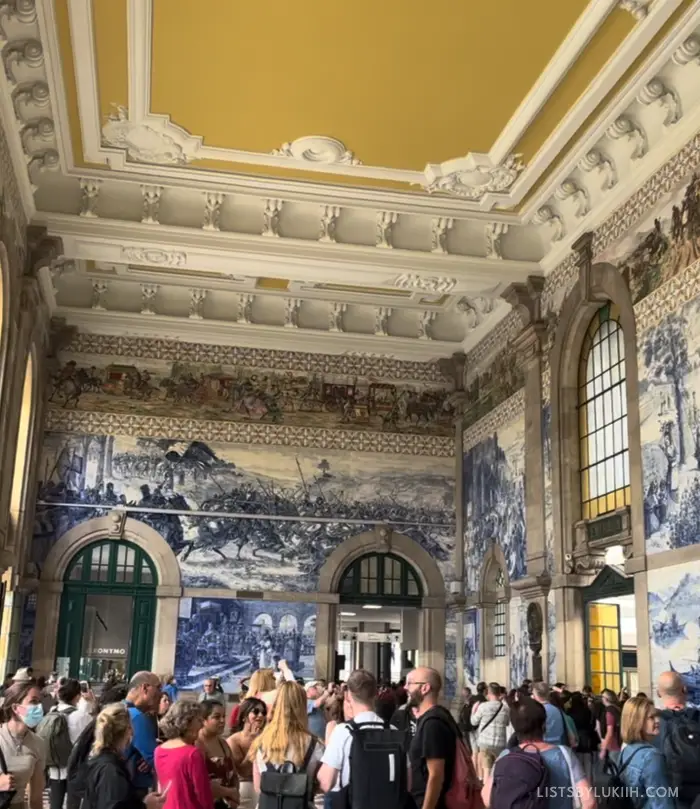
x: 108, y: 610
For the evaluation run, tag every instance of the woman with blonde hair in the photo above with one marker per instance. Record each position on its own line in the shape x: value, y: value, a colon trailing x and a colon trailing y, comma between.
x: 641, y: 765
x: 107, y: 781
x: 264, y: 684
x: 287, y: 739
x: 180, y: 765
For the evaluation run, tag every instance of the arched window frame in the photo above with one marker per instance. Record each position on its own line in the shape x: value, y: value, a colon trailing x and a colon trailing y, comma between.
x: 110, y: 569
x: 356, y: 577
x: 495, y: 598
x: 602, y: 408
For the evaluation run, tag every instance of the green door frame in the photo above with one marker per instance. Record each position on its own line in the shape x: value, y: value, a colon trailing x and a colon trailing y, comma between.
x: 80, y: 583
x: 609, y: 583
x: 351, y: 590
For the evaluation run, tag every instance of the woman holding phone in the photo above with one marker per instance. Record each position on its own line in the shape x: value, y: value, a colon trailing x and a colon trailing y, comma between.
x: 107, y: 781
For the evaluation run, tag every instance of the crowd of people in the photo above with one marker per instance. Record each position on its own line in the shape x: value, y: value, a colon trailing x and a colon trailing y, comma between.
x: 354, y: 745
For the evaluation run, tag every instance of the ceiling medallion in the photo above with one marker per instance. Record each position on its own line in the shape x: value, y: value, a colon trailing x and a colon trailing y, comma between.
x: 318, y: 149
x: 142, y: 143
x: 473, y: 177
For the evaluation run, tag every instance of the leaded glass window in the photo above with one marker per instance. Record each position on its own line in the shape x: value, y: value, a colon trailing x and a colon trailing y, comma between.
x: 499, y: 630
x: 605, y: 477
x: 380, y: 576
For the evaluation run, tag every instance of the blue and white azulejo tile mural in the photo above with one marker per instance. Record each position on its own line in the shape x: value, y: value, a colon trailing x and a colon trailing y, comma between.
x: 674, y: 623
x: 494, y: 484
x: 230, y: 639
x: 518, y: 648
x: 335, y: 495
x: 472, y: 669
x: 451, y: 685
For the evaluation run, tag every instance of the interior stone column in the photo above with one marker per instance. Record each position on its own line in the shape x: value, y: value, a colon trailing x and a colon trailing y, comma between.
x: 326, y: 636
x: 432, y: 638
x: 571, y: 641
x: 165, y: 632
x: 48, y: 610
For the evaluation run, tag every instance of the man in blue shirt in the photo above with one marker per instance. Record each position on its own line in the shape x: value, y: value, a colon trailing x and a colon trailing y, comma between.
x: 555, y: 727
x: 142, y: 701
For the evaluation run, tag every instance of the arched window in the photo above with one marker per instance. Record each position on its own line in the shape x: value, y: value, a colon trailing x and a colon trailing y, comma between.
x: 605, y: 476
x: 380, y: 577
x: 113, y: 564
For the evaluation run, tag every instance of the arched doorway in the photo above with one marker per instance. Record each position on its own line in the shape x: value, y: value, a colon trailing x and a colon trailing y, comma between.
x: 107, y: 612
x: 376, y: 575
x: 374, y: 631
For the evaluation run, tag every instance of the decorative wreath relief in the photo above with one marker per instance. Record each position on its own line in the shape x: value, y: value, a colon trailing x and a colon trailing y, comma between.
x: 318, y: 149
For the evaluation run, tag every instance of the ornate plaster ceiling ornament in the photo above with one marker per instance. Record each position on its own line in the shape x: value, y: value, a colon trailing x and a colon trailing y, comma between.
x: 89, y: 194
x: 29, y: 53
x: 625, y: 127
x: 425, y: 324
x: 547, y: 216
x: 291, y: 313
x: 381, y: 321
x: 153, y: 255
x: 213, y: 202
x: 337, y: 313
x: 687, y: 52
x: 197, y: 298
x: 48, y: 160
x: 151, y: 204
x: 37, y: 134
x: 475, y: 310
x: 440, y: 227
x: 329, y: 221
x: 385, y: 228
x: 22, y: 11
x: 318, y: 149
x: 245, y: 308
x: 148, y: 298
x: 99, y: 291
x: 595, y: 159
x: 141, y: 142
x: 26, y: 97
x: 494, y: 238
x: 639, y: 9
x: 570, y: 189
x: 473, y: 177
x: 271, y: 217
x: 436, y: 284
x: 656, y: 91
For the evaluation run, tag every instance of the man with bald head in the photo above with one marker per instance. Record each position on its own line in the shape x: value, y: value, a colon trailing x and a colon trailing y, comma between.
x: 142, y: 701
x: 434, y: 744
x: 679, y: 738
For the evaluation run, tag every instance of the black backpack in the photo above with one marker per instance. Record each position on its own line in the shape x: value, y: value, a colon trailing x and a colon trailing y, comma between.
x: 53, y: 729
x: 77, y: 762
x: 681, y: 749
x: 520, y: 780
x: 288, y: 786
x: 378, y: 769
x: 611, y: 787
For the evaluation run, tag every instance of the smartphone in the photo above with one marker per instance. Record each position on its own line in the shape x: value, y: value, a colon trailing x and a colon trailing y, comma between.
x: 84, y: 686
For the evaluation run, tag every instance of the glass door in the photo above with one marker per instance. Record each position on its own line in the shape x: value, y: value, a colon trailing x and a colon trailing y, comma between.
x: 604, y: 647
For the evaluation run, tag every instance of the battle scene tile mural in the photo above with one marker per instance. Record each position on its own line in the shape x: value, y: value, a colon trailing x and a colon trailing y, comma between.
x: 216, y: 392
x: 230, y: 639
x: 451, y: 686
x: 518, y: 649
x: 320, y: 499
x: 674, y: 618
x: 494, y: 498
x: 669, y: 411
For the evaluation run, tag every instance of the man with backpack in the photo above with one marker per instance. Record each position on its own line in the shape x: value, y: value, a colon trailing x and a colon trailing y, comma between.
x: 434, y: 746
x: 679, y: 738
x: 364, y: 765
x: 60, y: 729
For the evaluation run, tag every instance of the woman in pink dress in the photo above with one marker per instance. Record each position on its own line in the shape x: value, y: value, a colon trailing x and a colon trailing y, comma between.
x: 180, y: 765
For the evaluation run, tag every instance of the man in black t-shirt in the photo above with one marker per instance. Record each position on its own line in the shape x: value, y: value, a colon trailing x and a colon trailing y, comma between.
x: 433, y: 748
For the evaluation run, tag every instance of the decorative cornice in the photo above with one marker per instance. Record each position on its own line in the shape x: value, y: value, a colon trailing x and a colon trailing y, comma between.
x: 473, y: 177
x: 79, y: 421
x: 503, y: 414
x: 436, y: 285
x: 639, y: 9
x: 318, y: 149
x: 361, y: 366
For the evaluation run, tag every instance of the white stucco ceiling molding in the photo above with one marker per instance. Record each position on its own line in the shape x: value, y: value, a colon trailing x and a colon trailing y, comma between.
x: 437, y: 285
x: 474, y: 177
x: 318, y: 149
x: 639, y: 9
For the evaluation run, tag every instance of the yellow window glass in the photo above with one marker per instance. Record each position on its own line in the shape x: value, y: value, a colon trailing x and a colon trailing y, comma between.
x: 604, y: 658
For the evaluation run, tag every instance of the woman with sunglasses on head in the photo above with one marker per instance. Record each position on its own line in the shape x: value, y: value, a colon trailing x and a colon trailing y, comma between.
x: 251, y: 720
x: 24, y: 753
x: 218, y: 755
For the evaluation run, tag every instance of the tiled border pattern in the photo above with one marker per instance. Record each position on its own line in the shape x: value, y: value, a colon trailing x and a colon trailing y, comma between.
x: 509, y: 328
x: 505, y: 412
x: 546, y: 381
x: 91, y: 423
x: 668, y: 298
x: 175, y: 351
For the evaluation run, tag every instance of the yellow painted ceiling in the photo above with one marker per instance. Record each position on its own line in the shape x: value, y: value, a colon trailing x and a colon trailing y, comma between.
x: 401, y: 83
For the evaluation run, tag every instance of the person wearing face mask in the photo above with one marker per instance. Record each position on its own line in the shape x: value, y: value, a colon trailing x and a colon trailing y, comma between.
x: 23, y: 752
x: 107, y: 782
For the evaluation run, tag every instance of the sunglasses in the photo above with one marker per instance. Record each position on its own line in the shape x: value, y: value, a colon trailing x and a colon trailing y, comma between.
x: 258, y: 712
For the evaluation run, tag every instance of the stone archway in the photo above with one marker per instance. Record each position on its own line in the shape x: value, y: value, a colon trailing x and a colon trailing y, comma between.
x: 382, y: 540
x: 112, y: 526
